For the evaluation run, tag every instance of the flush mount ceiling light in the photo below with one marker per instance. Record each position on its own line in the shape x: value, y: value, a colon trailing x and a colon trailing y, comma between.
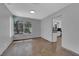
x: 32, y: 11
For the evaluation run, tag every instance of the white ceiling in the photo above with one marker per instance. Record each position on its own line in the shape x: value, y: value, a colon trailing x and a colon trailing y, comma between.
x: 41, y: 9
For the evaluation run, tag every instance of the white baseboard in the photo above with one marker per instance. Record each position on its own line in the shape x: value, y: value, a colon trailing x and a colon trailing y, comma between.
x: 5, y: 46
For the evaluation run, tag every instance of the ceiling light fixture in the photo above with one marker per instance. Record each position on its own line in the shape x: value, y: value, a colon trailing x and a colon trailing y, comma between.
x: 32, y: 11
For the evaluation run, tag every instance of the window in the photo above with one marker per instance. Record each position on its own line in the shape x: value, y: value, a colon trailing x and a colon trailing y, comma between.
x: 21, y: 26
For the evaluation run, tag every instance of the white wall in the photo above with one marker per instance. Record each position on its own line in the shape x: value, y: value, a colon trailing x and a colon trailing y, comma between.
x: 11, y: 27
x: 46, y: 28
x: 70, y: 23
x: 36, y: 29
x: 5, y: 38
